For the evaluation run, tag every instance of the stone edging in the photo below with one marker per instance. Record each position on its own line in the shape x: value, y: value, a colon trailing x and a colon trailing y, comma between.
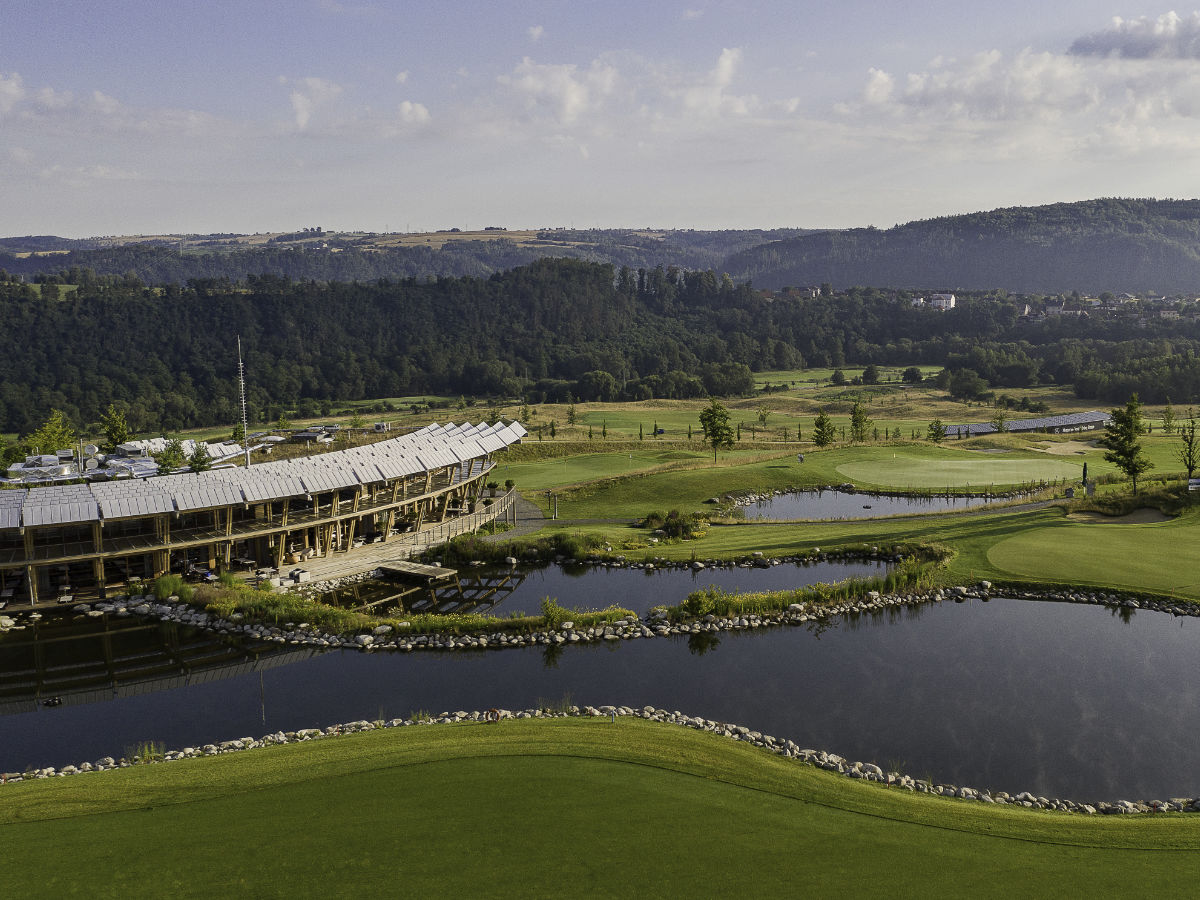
x: 779, y: 746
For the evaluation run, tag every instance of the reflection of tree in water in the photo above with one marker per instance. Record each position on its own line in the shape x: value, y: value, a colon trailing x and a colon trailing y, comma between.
x: 701, y: 642
x: 1124, y: 613
x: 551, y: 654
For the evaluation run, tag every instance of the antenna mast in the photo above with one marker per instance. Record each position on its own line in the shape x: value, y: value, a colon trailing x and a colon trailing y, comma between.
x: 242, y: 391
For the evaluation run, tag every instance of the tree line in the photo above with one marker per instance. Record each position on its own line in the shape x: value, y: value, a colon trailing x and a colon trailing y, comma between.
x: 555, y: 330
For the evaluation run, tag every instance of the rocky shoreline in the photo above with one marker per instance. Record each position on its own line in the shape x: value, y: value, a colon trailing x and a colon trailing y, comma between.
x: 655, y: 624
x: 822, y: 759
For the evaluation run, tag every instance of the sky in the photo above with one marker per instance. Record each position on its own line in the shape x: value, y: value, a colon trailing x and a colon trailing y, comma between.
x: 170, y: 116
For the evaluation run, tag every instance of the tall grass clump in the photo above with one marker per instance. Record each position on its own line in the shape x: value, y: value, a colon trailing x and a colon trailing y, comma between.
x: 172, y: 586
x: 911, y: 574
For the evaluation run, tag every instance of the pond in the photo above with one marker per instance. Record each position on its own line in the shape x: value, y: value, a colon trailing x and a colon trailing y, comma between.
x: 505, y: 591
x: 1062, y: 700
x: 835, y: 504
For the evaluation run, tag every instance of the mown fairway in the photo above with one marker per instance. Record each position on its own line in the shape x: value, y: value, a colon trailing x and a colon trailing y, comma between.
x: 552, y: 808
x: 1158, y: 557
x: 918, y: 468
x: 683, y: 479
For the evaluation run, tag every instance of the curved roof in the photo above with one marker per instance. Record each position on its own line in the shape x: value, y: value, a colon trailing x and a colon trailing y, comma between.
x: 433, y: 446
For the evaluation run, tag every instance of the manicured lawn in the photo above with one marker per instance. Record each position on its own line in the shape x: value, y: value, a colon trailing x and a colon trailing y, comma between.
x: 552, y: 808
x: 873, y: 467
x: 919, y: 468
x: 1161, y: 557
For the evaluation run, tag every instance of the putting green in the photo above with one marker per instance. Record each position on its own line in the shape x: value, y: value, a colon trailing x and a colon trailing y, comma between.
x: 956, y: 470
x: 1161, y: 557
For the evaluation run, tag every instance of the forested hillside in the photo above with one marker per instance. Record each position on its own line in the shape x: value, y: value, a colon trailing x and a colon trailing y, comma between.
x: 546, y: 331
x: 1095, y: 245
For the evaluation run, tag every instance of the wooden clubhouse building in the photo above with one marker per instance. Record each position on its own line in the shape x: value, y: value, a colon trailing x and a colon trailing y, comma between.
x: 84, y: 541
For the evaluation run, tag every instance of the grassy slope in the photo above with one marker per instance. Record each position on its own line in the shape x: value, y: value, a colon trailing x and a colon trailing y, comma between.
x: 881, y: 467
x: 541, y: 808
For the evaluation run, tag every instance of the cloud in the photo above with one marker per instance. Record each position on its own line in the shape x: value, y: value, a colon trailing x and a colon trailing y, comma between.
x: 1170, y: 36
x: 1062, y: 105
x: 536, y: 32
x: 690, y: 15
x: 564, y: 92
x: 80, y: 176
x: 12, y: 92
x: 402, y: 77
x: 309, y: 95
x: 413, y: 113
x: 709, y: 95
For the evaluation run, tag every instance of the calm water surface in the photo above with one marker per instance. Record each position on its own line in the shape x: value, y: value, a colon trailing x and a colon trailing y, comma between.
x: 1061, y: 700
x: 591, y: 587
x: 832, y: 504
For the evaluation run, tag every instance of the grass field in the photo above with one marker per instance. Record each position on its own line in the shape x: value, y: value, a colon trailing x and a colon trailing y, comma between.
x: 551, y: 808
x: 1159, y: 557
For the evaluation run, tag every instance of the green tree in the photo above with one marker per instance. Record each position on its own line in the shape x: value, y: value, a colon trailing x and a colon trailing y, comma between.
x: 714, y: 420
x: 115, y: 428
x: 56, y: 433
x: 589, y: 432
x: 1122, y: 440
x: 1000, y: 420
x: 824, y: 432
x: 571, y: 413
x: 171, y: 457
x: 911, y: 375
x: 357, y: 422
x: 870, y: 375
x: 640, y: 434
x: 553, y: 430
x: 1168, y: 417
x: 604, y: 430
x: 937, y: 431
x: 860, y: 422
x: 199, y: 460
x: 239, y: 433
x: 1189, y: 453
x: 838, y: 377
x: 763, y: 414
x: 282, y: 423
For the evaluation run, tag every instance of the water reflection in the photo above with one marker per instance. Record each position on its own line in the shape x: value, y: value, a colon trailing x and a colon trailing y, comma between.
x: 1053, y: 698
x: 65, y: 660
x: 834, y: 504
x: 515, y: 591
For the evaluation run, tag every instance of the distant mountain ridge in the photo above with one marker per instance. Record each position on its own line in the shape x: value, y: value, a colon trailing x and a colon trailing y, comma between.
x: 317, y: 255
x: 1108, y: 244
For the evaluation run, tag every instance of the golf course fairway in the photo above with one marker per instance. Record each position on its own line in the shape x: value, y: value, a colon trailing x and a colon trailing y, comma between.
x: 552, y: 807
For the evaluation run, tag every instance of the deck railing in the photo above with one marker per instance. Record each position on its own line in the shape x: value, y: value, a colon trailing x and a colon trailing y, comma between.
x: 444, y: 531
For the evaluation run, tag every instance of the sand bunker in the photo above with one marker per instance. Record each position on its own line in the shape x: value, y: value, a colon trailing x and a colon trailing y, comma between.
x: 1144, y: 516
x: 1068, y: 448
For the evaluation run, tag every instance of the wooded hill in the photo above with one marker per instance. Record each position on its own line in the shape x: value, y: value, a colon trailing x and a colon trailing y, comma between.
x: 331, y: 256
x: 547, y: 331
x: 1113, y: 245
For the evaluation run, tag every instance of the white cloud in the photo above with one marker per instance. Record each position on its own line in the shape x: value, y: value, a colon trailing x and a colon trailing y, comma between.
x: 536, y: 32
x: 79, y: 176
x: 565, y: 92
x: 690, y: 15
x: 413, y: 113
x: 1062, y: 105
x: 104, y: 104
x: 1170, y: 36
x: 12, y: 92
x: 709, y: 95
x: 402, y: 77
x: 309, y: 95
x: 879, y: 86
x: 21, y: 155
